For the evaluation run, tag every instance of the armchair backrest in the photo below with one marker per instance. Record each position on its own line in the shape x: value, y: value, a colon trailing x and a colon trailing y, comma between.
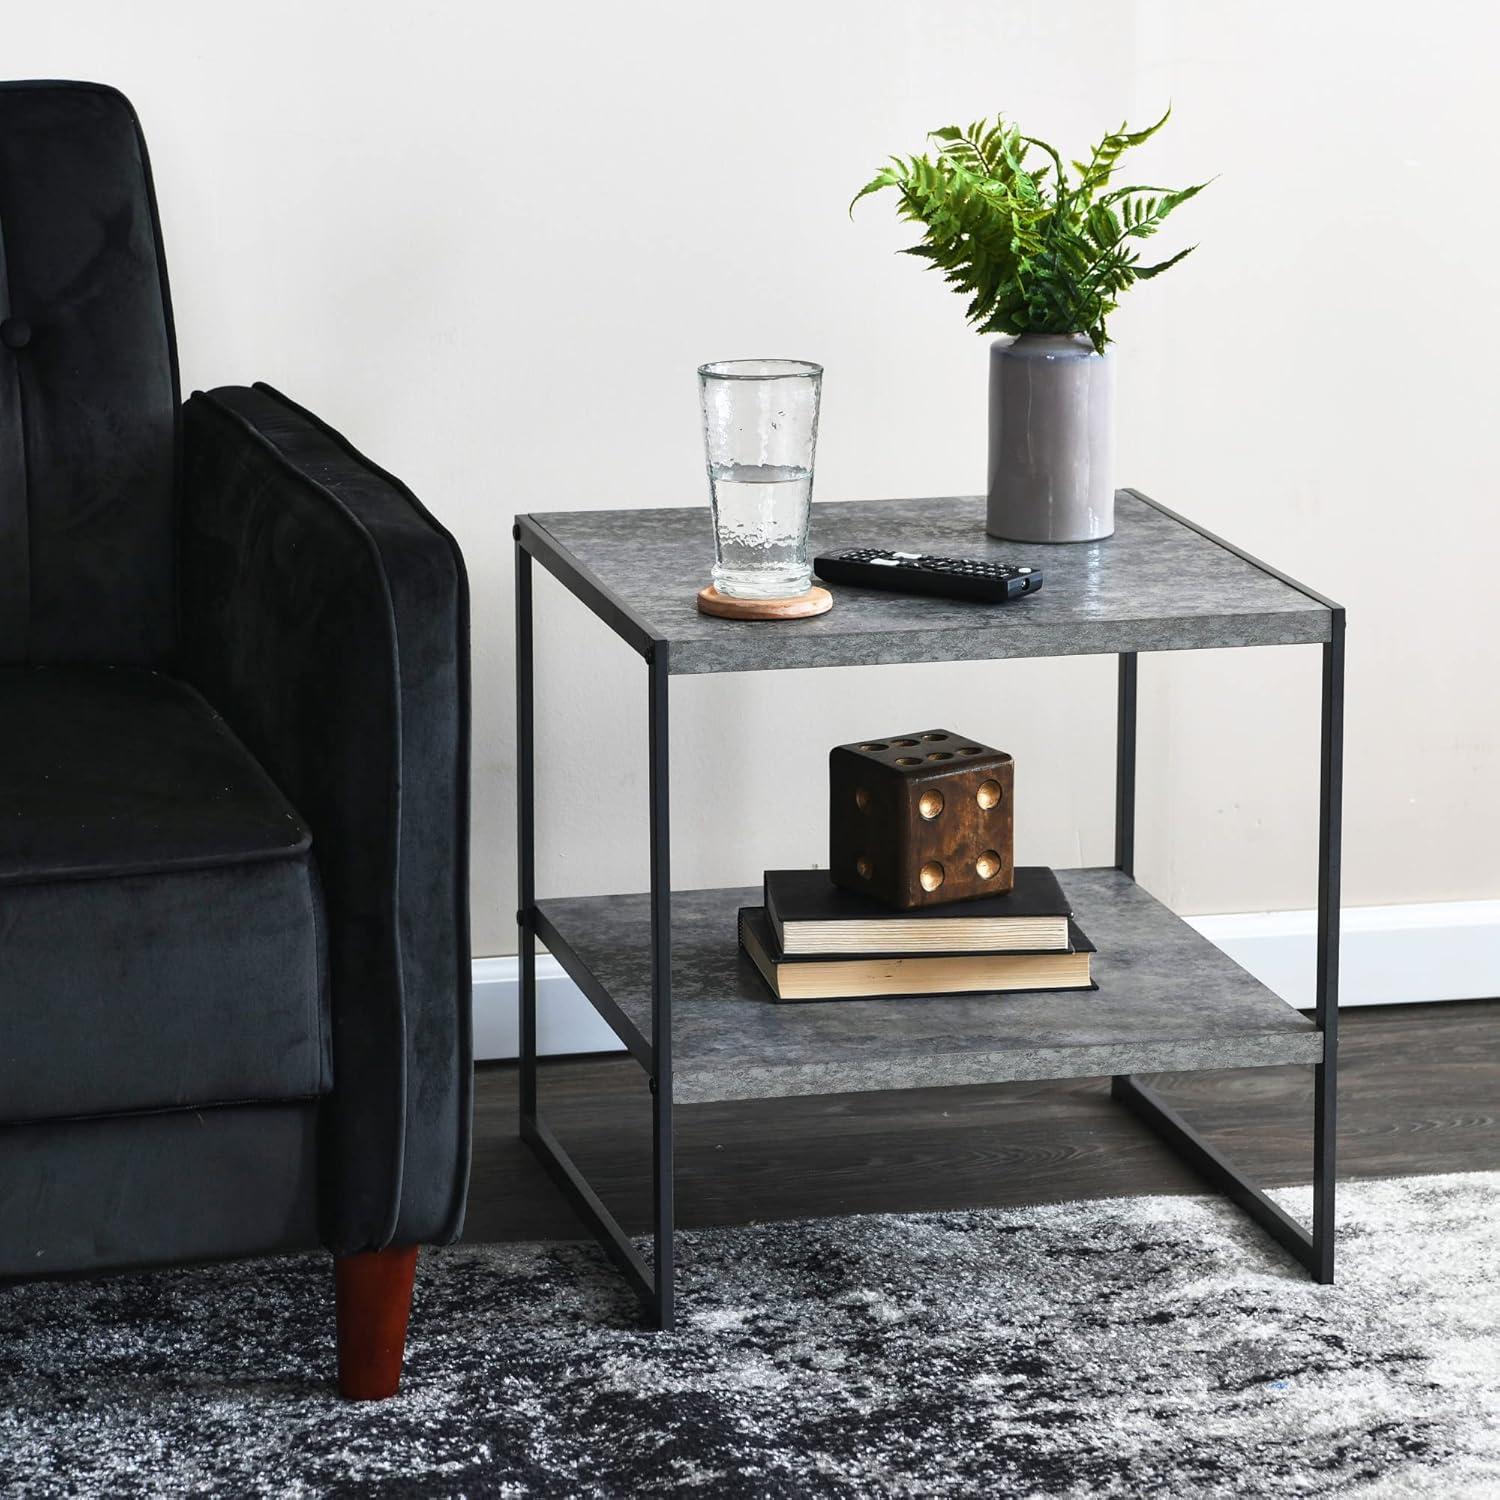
x: 88, y: 385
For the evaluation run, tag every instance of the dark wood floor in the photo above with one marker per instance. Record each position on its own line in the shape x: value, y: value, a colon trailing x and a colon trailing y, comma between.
x: 1419, y: 1091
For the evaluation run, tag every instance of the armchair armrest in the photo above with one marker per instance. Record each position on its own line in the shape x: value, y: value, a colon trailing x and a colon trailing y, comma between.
x: 326, y: 615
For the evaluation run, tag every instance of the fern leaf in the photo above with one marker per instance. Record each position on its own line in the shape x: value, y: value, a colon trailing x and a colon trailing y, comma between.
x: 1032, y: 249
x: 1145, y: 273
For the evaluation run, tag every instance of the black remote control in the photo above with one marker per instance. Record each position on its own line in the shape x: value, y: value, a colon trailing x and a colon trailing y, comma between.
x: 921, y: 573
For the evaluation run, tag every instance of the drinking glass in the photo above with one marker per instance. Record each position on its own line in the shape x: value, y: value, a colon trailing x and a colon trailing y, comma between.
x: 760, y: 431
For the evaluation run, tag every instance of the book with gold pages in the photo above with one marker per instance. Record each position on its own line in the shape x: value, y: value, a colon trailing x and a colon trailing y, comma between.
x: 809, y: 914
x: 896, y: 975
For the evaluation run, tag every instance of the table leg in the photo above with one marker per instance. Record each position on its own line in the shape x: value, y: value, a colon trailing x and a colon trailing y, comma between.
x: 1330, y: 845
x: 526, y: 832
x: 1125, y: 765
x: 661, y: 995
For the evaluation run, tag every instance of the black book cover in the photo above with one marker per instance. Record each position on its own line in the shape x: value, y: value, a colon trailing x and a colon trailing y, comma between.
x: 811, y: 896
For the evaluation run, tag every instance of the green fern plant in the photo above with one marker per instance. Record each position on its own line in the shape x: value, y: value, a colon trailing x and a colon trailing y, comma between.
x: 1034, y: 248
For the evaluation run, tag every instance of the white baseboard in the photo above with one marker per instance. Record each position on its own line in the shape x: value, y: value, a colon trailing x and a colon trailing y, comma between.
x: 565, y: 1021
x: 1390, y: 955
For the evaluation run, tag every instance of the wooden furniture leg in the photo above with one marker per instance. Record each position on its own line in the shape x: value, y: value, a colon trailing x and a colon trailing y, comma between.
x: 372, y: 1298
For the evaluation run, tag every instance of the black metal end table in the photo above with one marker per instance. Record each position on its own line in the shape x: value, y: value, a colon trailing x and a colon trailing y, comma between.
x: 664, y: 971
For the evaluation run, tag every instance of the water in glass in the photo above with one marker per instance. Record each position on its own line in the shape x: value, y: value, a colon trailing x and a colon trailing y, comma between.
x: 760, y: 529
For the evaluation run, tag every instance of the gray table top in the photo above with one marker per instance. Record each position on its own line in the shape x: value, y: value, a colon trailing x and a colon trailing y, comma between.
x: 1156, y: 585
x: 1168, y: 1001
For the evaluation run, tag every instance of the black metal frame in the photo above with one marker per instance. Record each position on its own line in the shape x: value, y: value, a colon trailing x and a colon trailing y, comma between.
x: 1313, y: 1249
x: 655, y: 1282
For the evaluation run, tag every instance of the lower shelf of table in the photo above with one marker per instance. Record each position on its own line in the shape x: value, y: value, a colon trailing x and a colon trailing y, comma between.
x: 1168, y: 1001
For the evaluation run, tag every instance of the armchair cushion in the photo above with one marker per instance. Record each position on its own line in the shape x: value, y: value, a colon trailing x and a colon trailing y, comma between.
x: 160, y: 923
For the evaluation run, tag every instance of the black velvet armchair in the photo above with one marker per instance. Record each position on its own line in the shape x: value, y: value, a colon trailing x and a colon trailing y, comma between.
x: 234, y: 956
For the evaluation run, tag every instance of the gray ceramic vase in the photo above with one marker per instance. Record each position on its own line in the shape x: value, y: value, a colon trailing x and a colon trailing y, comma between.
x: 1052, y: 439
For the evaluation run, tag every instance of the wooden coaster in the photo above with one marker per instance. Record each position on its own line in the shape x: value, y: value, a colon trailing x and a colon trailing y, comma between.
x: 815, y: 601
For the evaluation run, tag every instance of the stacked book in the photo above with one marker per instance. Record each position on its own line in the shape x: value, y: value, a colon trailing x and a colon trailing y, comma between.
x: 812, y: 940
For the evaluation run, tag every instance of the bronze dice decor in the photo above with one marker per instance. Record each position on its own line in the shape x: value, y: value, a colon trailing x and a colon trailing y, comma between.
x: 920, y: 819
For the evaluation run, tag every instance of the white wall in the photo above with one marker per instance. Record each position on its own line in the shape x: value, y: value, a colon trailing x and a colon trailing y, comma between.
x: 492, y: 242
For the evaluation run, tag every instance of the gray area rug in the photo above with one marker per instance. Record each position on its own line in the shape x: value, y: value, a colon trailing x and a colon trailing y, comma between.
x: 1151, y: 1346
